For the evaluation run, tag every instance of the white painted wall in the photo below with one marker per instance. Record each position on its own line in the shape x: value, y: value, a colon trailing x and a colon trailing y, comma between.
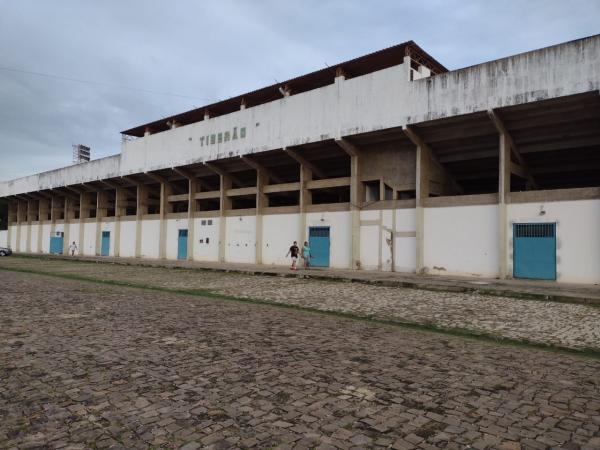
x: 88, y: 247
x: 461, y: 240
x: 340, y: 234
x: 150, y: 238
x: 240, y: 242
x: 13, y: 237
x: 23, y: 239
x: 173, y: 227
x: 46, y: 238
x: 577, y: 233
x: 206, y: 228
x: 405, y: 247
x: 279, y: 232
x: 127, y: 239
x: 110, y: 227
x: 74, y: 236
x: 34, y: 238
x: 4, y: 238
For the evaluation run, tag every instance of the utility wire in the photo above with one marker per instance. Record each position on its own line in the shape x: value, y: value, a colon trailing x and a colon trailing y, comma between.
x: 99, y: 83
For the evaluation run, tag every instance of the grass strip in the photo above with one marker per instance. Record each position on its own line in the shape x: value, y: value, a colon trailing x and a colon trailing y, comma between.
x: 427, y: 327
x: 484, y: 291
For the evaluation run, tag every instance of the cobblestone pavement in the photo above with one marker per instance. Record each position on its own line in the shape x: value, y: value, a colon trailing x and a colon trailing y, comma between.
x: 85, y: 365
x: 561, y: 324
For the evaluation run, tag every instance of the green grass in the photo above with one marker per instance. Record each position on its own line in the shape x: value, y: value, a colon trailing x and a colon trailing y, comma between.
x: 424, y: 327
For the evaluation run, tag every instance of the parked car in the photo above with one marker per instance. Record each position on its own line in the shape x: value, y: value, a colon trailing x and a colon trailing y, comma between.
x: 5, y: 251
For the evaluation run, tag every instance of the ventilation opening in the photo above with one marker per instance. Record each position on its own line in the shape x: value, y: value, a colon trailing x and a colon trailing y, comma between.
x: 535, y: 230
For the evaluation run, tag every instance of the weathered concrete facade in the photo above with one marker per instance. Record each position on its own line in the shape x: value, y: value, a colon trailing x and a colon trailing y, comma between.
x: 408, y: 167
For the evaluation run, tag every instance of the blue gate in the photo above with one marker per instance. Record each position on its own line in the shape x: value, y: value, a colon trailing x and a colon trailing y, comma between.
x: 105, y: 249
x: 318, y: 238
x: 182, y: 244
x: 534, y: 251
x: 56, y: 243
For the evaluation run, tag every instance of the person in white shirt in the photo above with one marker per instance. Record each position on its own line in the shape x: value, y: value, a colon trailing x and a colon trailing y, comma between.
x: 73, y: 248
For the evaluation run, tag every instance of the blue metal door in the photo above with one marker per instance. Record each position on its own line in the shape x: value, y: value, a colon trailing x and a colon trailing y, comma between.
x: 318, y: 238
x: 182, y: 244
x: 534, y: 251
x: 56, y: 244
x: 105, y: 250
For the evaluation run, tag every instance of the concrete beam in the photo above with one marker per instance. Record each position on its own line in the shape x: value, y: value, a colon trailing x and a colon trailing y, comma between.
x: 241, y: 191
x: 207, y: 194
x: 259, y: 167
x: 329, y: 183
x: 296, y: 156
x: 110, y: 184
x: 435, y: 163
x: 348, y: 147
x: 178, y: 198
x: 222, y: 172
x: 282, y: 187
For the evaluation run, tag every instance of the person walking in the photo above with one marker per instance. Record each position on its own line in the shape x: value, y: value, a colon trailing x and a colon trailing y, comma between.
x: 293, y: 251
x: 306, y: 255
x: 73, y: 248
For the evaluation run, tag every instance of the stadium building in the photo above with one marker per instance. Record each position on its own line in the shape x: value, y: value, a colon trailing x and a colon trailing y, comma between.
x: 386, y: 162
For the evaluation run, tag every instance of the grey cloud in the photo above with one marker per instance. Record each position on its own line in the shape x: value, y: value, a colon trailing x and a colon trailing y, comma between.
x: 212, y: 50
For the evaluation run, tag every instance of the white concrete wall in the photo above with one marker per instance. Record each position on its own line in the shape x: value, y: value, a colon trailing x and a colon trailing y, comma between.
x: 88, y: 246
x: 461, y: 240
x: 13, y: 237
x: 110, y: 227
x: 46, y: 238
x: 240, y: 241
x: 279, y: 232
x: 340, y: 224
x: 74, y: 236
x: 405, y: 245
x: 127, y: 239
x: 150, y: 238
x: 22, y: 246
x: 4, y: 238
x: 577, y: 234
x: 206, y: 228
x: 34, y: 238
x: 173, y: 227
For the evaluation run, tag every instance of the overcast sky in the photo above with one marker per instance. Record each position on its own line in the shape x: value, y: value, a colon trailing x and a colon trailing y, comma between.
x: 131, y: 52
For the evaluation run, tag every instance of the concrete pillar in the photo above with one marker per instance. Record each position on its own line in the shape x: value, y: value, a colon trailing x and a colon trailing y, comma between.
x: 356, y: 199
x: 20, y: 208
x: 101, y: 212
x: 84, y: 213
x: 120, y: 210
x: 54, y: 214
x: 30, y: 214
x: 141, y: 210
x: 262, y: 201
x: 422, y: 193
x: 225, y: 205
x: 43, y: 209
x: 165, y: 208
x: 193, y: 187
x: 12, y: 206
x: 69, y: 215
x: 503, y: 199
x: 306, y: 175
